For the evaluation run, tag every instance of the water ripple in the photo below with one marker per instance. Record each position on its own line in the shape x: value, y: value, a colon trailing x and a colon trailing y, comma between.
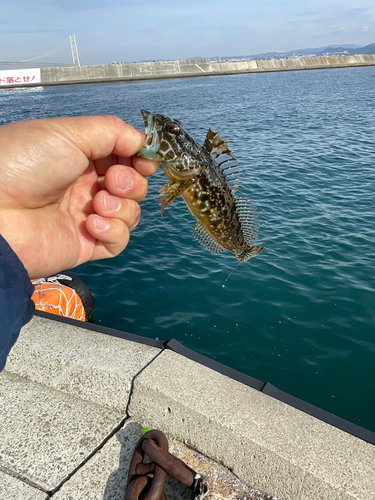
x: 301, y: 315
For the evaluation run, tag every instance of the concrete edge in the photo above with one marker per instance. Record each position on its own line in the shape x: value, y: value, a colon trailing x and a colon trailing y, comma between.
x: 102, y: 329
x: 271, y: 390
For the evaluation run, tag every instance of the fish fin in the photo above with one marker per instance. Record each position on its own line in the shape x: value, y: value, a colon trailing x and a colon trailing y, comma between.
x: 171, y: 190
x: 216, y: 146
x: 232, y: 174
x: 208, y: 144
x: 205, y: 239
x: 251, y: 251
x: 219, y: 150
x: 247, y: 213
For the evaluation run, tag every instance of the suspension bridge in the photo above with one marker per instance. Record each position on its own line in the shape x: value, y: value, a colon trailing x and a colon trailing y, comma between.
x: 71, y: 39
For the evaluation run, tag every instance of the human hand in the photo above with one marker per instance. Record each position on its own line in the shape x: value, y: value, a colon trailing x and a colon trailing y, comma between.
x: 69, y: 189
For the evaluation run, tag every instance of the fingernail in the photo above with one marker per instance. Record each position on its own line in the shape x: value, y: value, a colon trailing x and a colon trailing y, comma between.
x: 111, y: 203
x: 124, y: 180
x: 100, y: 223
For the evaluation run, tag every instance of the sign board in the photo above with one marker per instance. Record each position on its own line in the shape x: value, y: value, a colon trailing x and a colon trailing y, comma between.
x: 19, y: 76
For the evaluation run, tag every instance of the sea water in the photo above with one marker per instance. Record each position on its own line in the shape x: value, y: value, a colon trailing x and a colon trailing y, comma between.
x: 300, y: 315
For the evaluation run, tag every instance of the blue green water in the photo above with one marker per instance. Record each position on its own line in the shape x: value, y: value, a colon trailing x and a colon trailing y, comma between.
x: 301, y: 315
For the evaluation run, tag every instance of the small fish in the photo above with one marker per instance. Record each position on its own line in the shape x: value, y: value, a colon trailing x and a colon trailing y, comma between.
x: 225, y: 222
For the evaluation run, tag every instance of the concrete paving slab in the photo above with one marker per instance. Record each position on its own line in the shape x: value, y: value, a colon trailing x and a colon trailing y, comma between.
x: 77, y: 361
x: 268, y: 444
x: 12, y: 488
x: 105, y: 475
x: 46, y: 434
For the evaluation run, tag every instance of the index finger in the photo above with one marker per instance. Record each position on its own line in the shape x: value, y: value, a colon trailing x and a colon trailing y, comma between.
x: 106, y: 139
x: 99, y: 136
x: 143, y: 166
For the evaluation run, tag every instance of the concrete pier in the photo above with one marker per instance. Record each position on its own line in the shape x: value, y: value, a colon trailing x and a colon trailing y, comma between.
x: 186, y: 68
x: 74, y: 397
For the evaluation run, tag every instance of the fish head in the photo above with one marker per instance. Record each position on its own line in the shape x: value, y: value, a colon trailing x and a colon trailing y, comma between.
x: 167, y: 141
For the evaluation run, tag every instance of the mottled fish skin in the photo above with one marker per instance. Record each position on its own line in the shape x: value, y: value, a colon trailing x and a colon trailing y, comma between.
x: 224, y: 222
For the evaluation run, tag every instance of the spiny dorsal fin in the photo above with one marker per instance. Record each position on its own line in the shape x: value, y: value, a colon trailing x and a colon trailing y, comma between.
x: 215, y: 145
x: 208, y: 141
x: 248, y: 216
x: 220, y: 152
x: 205, y: 239
x: 232, y: 174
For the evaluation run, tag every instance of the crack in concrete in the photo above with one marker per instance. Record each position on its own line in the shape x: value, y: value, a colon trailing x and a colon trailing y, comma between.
x: 89, y: 457
x: 108, y: 437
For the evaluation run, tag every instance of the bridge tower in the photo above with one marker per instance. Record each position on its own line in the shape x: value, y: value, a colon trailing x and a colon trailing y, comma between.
x: 74, y: 50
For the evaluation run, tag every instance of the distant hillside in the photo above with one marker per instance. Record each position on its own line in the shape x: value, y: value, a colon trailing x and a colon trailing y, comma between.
x: 347, y: 49
x: 368, y: 49
x: 338, y: 50
x: 317, y: 51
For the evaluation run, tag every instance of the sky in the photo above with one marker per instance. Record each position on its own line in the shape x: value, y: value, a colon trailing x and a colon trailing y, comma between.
x: 138, y: 30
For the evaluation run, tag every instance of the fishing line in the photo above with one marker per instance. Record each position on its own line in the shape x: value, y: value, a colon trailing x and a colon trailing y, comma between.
x: 230, y: 274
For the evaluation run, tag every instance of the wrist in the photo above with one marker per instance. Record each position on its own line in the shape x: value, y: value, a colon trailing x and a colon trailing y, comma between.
x: 10, y: 258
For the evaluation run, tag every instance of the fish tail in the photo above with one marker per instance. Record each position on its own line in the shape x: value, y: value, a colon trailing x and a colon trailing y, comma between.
x: 250, y: 251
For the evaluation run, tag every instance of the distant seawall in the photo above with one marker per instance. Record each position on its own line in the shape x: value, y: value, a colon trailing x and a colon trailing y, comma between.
x: 189, y: 68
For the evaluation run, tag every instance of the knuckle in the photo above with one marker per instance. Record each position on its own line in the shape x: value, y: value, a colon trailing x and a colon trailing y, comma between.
x: 133, y: 211
x: 137, y: 212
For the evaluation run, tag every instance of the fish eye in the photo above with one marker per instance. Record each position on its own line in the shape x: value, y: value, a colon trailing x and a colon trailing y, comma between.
x: 172, y: 128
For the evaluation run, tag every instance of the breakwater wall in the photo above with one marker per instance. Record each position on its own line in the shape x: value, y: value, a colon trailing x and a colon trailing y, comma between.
x: 186, y: 68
